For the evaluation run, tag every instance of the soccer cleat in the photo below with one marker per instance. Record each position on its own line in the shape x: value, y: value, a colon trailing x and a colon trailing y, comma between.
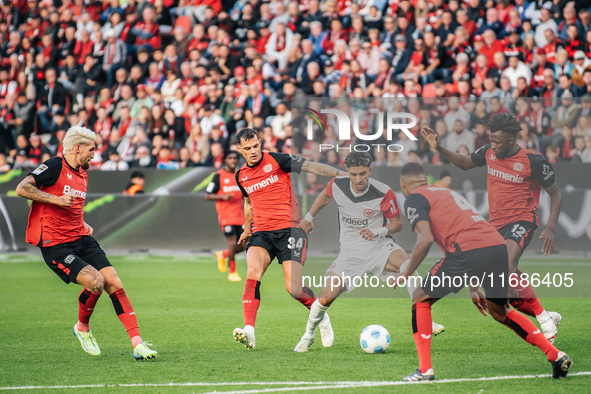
x: 561, y: 365
x: 557, y: 317
x: 143, y: 352
x: 326, y: 332
x: 437, y: 328
x: 245, y: 336
x: 417, y: 376
x: 221, y: 261
x: 234, y: 277
x: 87, y: 341
x: 304, y: 344
x: 548, y: 327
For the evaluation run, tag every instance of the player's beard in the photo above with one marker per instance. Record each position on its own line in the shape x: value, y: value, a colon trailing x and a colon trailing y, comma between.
x: 86, y: 165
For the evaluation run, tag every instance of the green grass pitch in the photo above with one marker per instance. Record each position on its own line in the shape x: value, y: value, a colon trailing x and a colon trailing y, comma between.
x: 188, y: 309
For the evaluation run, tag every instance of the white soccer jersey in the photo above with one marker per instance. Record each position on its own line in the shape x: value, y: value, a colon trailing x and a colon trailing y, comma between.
x: 361, y: 210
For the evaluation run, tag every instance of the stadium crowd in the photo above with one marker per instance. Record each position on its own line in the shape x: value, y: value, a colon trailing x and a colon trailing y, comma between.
x: 168, y: 83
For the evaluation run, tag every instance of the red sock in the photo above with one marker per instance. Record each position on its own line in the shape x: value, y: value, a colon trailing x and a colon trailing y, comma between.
x: 232, y: 266
x: 529, y: 303
x: 306, y: 297
x: 125, y: 313
x: 530, y: 333
x: 86, y: 302
x: 251, y: 299
x: 421, y: 332
x: 225, y: 253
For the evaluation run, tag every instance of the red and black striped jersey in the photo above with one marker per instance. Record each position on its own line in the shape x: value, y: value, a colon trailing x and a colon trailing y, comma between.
x: 268, y: 185
x: 514, y: 184
x: 49, y: 224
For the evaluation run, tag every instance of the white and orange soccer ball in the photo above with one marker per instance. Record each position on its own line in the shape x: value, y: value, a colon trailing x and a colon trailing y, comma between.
x: 374, y: 339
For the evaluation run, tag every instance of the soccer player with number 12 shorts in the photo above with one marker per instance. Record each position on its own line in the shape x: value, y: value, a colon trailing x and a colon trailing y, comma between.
x: 56, y: 225
x: 228, y: 203
x: 368, y: 216
x: 272, y: 229
x: 514, y: 179
x: 473, y: 250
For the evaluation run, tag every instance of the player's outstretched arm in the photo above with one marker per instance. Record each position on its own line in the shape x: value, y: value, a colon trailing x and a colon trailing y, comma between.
x: 461, y: 161
x: 423, y: 244
x: 307, y: 223
x: 247, y: 221
x: 548, y: 233
x: 321, y: 169
x: 28, y: 189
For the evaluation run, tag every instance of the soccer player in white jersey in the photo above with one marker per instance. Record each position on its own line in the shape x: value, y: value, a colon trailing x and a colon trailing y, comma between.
x: 368, y: 216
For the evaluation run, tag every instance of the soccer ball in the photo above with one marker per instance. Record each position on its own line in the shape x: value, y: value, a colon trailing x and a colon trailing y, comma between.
x: 374, y: 339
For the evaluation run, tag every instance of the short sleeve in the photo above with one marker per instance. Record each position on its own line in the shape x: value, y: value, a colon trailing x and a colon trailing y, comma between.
x: 244, y: 193
x: 288, y: 163
x: 214, y: 185
x: 416, y: 208
x: 541, y: 170
x: 328, y: 189
x: 48, y: 173
x: 479, y: 157
x: 389, y: 205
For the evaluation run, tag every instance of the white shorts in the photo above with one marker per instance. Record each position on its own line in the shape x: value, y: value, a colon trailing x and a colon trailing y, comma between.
x: 351, y: 263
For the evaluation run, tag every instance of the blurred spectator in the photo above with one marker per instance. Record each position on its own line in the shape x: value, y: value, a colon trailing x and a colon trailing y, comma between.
x: 135, y: 185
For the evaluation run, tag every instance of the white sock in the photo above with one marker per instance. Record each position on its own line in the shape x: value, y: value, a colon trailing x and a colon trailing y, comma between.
x: 317, y: 313
x: 413, y: 281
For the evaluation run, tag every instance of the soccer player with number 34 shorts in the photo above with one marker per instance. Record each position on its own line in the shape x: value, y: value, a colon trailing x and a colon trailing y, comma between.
x: 368, y: 215
x: 475, y: 253
x: 514, y: 179
x: 56, y: 225
x: 272, y: 229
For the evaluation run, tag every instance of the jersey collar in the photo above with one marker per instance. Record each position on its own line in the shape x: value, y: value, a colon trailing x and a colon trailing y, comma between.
x: 259, y: 162
x: 72, y: 168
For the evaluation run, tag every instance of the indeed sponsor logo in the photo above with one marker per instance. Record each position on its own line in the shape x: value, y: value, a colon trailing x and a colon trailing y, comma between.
x: 265, y: 182
x: 504, y: 175
x: 74, y: 192
x: 354, y: 222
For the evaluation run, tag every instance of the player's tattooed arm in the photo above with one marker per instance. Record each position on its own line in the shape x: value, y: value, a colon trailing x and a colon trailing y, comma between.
x: 28, y: 189
x: 320, y: 202
x: 461, y: 161
x: 321, y: 169
x: 548, y: 233
x: 247, y: 221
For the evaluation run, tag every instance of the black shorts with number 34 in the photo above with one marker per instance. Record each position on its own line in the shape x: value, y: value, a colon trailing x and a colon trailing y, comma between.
x: 285, y: 244
x: 521, y: 232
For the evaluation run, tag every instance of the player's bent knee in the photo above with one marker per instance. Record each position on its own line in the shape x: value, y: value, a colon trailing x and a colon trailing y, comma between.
x: 97, y: 283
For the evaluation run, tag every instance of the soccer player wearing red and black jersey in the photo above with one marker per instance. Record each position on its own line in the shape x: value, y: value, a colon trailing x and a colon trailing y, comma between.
x: 228, y: 203
x: 514, y: 180
x: 56, y: 225
x: 272, y: 229
x: 473, y: 249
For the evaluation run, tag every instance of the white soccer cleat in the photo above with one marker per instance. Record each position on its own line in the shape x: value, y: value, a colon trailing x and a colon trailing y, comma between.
x: 548, y: 327
x: 557, y: 317
x: 87, y: 341
x: 245, y: 336
x: 437, y: 328
x: 304, y: 344
x: 326, y: 332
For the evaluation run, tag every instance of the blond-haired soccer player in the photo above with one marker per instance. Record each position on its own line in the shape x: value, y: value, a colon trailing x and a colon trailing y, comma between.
x: 56, y: 225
